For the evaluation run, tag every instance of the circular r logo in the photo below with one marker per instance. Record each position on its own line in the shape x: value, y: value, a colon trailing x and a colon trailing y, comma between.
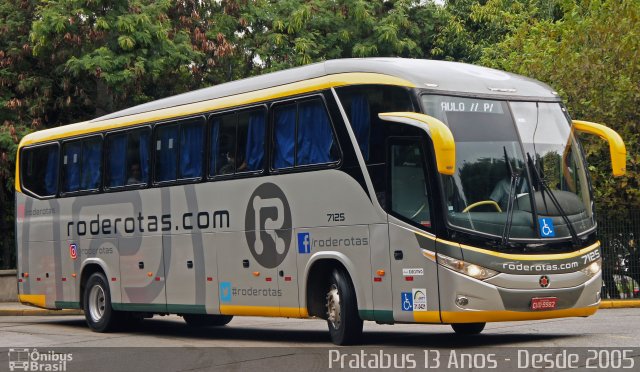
x: 268, y: 225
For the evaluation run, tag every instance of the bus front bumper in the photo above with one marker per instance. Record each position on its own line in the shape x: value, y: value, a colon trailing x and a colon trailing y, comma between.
x: 508, y: 297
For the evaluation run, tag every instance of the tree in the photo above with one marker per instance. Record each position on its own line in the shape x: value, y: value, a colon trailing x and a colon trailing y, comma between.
x: 112, y: 52
x: 589, y: 57
x: 25, y: 105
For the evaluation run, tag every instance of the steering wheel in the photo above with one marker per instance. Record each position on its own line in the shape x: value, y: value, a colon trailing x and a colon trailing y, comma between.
x: 482, y: 202
x: 419, y: 210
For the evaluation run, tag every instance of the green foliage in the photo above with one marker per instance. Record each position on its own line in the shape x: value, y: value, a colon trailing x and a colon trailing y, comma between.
x: 590, y: 56
x: 113, y: 49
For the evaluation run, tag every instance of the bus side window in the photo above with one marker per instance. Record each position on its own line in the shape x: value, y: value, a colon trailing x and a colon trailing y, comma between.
x: 191, y: 149
x: 362, y: 104
x: 237, y: 142
x: 250, y: 140
x: 179, y: 150
x: 284, y: 118
x: 82, y: 165
x: 128, y: 158
x: 40, y: 170
x: 315, y: 140
x: 223, y: 144
x: 303, y: 135
x: 166, y: 153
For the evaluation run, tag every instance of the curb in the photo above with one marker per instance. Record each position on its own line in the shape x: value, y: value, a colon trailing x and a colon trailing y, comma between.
x: 39, y: 312
x: 619, y: 304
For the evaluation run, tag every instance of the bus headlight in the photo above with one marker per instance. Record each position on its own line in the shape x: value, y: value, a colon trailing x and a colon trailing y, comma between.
x: 472, y: 270
x: 593, y: 268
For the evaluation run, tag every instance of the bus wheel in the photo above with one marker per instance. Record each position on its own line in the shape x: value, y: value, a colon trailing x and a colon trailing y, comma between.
x: 468, y: 328
x: 205, y: 320
x: 97, y: 304
x: 345, y: 325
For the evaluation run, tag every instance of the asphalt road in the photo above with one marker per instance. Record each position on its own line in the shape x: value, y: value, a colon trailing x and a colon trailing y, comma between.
x: 259, y: 343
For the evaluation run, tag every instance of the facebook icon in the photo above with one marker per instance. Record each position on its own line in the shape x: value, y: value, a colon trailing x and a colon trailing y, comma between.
x: 304, y: 243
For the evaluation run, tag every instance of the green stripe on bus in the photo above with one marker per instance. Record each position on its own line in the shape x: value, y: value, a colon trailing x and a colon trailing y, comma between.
x: 186, y: 309
x: 154, y: 308
x: 67, y: 304
x: 377, y: 315
x: 161, y: 308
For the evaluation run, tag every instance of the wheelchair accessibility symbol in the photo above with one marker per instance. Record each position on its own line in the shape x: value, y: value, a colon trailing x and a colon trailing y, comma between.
x: 547, y: 230
x: 407, y: 301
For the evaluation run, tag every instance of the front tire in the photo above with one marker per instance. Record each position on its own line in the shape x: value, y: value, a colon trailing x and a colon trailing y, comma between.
x: 468, y: 328
x: 345, y: 325
x: 98, y: 313
x: 206, y: 320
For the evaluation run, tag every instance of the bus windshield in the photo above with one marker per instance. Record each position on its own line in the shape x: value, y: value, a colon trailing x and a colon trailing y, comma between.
x: 494, y: 161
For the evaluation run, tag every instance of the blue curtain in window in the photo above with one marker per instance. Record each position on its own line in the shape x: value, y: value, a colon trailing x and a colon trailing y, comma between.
x: 144, y: 155
x: 361, y: 122
x: 51, y: 171
x: 215, y: 147
x: 166, y: 149
x: 71, y: 166
x: 116, y: 160
x: 191, y: 142
x: 285, y: 129
x: 91, y: 164
x: 315, y: 137
x: 255, y: 141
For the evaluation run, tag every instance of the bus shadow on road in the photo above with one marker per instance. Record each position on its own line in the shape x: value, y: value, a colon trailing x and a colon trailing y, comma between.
x: 428, y: 337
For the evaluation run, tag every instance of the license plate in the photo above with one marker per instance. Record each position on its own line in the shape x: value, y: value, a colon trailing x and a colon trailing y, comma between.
x: 544, y: 303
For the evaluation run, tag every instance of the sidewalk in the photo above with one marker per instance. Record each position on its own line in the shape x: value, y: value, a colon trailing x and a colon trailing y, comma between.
x: 17, y: 309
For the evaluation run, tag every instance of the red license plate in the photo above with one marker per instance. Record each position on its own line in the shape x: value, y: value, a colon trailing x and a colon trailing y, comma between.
x: 544, y: 303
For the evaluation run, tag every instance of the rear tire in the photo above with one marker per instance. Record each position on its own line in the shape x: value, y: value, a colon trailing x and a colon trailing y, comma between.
x: 345, y: 325
x: 468, y: 328
x: 206, y: 320
x: 98, y: 313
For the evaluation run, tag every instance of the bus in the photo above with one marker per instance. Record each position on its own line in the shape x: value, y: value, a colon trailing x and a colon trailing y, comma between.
x: 384, y: 189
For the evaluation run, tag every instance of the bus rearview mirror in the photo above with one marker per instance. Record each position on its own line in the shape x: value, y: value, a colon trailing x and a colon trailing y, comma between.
x: 443, y: 144
x: 617, y: 149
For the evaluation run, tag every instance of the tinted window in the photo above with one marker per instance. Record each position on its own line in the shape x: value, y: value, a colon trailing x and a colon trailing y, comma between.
x: 303, y: 135
x: 166, y: 152
x: 179, y: 150
x: 82, y: 165
x: 40, y: 170
x: 128, y: 158
x: 409, y: 197
x: 363, y: 104
x: 191, y: 149
x: 237, y: 142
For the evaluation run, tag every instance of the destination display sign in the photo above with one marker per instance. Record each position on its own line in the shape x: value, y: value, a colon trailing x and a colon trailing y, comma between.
x: 456, y: 104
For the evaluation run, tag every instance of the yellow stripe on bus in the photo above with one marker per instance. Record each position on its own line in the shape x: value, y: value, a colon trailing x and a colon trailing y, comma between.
x: 292, y: 89
x: 288, y: 312
x: 33, y: 299
x: 427, y: 316
x: 522, y: 257
x: 509, y: 316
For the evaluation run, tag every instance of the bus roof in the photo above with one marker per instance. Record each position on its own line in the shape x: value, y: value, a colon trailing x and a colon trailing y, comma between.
x: 436, y: 76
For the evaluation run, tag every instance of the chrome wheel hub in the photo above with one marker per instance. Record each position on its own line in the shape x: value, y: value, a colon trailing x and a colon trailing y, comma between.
x: 333, y: 307
x: 96, y: 303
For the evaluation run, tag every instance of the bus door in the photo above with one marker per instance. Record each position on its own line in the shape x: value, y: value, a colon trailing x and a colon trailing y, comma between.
x: 412, y: 246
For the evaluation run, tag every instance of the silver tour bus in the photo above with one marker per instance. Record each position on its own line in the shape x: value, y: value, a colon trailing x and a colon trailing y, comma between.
x: 387, y: 190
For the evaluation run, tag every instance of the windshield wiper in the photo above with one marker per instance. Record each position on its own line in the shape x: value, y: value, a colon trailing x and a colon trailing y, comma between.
x: 506, y: 232
x: 542, y: 185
